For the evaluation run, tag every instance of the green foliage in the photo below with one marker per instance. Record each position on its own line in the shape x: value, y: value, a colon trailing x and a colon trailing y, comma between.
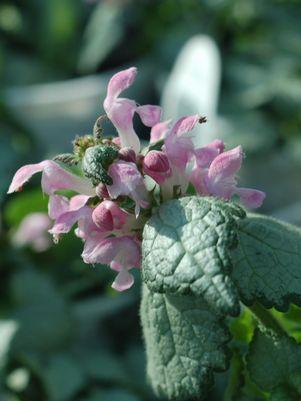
x: 274, y: 364
x: 185, y: 343
x: 266, y: 263
x: 63, y: 377
x: 29, y: 201
x: 186, y: 250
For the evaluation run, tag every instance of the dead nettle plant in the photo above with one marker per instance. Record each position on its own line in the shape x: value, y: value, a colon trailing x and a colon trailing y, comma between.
x: 177, y: 213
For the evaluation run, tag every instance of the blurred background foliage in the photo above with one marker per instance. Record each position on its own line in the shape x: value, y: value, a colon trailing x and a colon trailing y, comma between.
x: 64, y: 334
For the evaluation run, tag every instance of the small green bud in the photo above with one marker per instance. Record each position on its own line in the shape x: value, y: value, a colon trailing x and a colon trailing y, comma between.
x: 96, y: 161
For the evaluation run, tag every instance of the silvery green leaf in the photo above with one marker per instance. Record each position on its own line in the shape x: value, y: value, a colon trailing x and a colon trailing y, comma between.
x: 185, y: 343
x: 186, y: 250
x: 274, y: 364
x: 267, y: 261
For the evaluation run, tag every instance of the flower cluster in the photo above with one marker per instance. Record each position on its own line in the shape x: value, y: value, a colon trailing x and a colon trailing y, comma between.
x: 115, y: 185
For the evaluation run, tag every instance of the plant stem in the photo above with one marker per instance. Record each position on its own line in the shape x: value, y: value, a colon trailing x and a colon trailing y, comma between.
x: 267, y: 320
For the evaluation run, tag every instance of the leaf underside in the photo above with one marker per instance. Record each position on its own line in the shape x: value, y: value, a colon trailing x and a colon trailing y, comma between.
x: 186, y: 250
x: 274, y: 364
x: 267, y: 262
x: 185, y: 343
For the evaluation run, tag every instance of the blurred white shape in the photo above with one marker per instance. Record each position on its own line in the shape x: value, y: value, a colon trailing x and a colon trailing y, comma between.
x: 7, y: 331
x: 18, y: 379
x: 193, y: 86
x: 33, y: 231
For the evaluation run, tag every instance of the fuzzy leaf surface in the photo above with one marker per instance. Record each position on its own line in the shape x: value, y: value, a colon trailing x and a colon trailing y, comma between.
x: 274, y: 364
x: 186, y: 250
x: 185, y: 343
x: 266, y: 262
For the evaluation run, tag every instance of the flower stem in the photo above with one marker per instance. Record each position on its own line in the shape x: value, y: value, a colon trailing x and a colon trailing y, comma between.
x: 267, y: 320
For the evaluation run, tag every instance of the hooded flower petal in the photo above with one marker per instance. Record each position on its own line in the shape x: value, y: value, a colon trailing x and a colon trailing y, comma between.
x: 121, y: 253
x: 121, y: 111
x: 128, y: 181
x: 221, y: 179
x: 159, y: 131
x: 57, y: 205
x: 54, y: 178
x: 180, y: 148
x: 251, y: 198
x: 149, y: 114
x: 203, y: 157
x: 77, y: 210
x: 123, y: 281
x: 120, y: 82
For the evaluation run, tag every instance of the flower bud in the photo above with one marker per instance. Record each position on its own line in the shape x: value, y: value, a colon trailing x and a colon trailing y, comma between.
x: 102, y: 192
x: 103, y: 218
x: 127, y: 154
x: 156, y: 165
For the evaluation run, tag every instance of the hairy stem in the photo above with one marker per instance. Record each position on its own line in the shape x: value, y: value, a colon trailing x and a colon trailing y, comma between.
x: 267, y: 320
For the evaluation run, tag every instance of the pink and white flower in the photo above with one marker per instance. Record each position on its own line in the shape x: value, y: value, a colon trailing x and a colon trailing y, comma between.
x: 112, y: 235
x: 128, y: 181
x: 121, y: 110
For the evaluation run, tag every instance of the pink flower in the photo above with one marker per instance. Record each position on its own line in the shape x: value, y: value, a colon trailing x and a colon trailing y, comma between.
x: 128, y: 181
x: 33, y: 232
x: 121, y: 253
x: 159, y: 131
x: 178, y: 146
x: 121, y: 110
x: 221, y: 179
x: 110, y: 234
x: 203, y: 157
x: 67, y: 212
x: 54, y: 178
x: 156, y: 165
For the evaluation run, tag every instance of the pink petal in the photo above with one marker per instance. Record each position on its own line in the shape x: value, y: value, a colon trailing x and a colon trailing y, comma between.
x: 123, y: 281
x: 205, y: 155
x: 128, y: 181
x: 185, y: 124
x: 180, y: 148
x: 54, y: 178
x: 66, y: 221
x: 57, y: 205
x: 24, y: 174
x: 123, y: 250
x: 217, y: 144
x: 121, y: 81
x: 78, y: 201
x: 251, y: 198
x: 149, y: 114
x: 159, y: 131
x: 121, y: 113
x: 226, y: 164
